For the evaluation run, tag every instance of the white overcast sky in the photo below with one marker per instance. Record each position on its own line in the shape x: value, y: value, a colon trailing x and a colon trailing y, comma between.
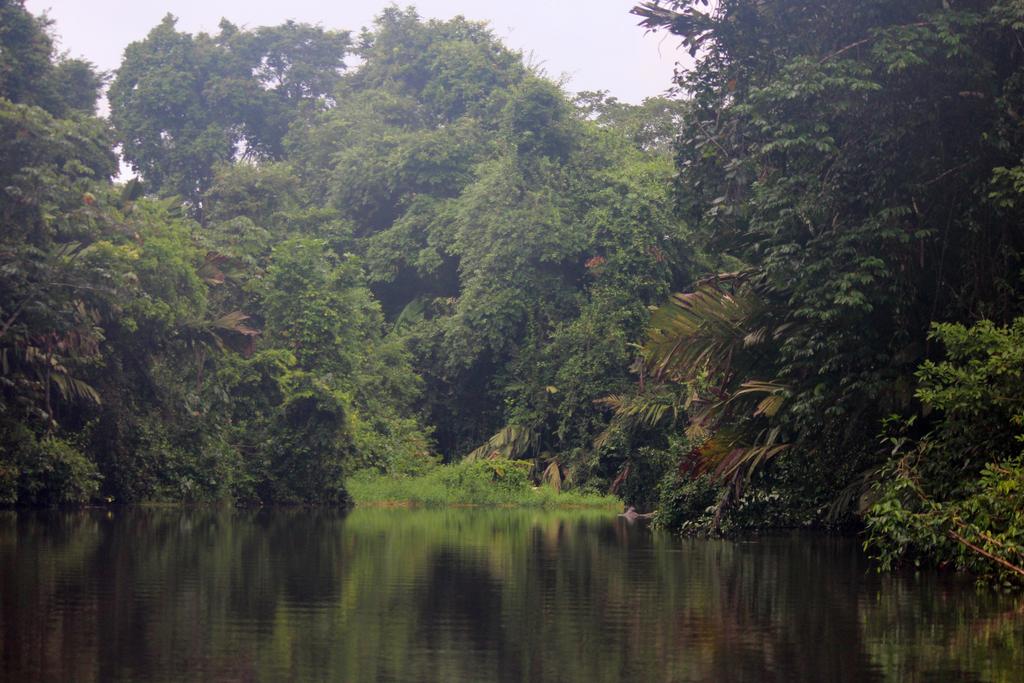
x: 595, y: 45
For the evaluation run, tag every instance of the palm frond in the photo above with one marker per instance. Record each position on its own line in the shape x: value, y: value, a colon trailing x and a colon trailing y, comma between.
x: 693, y: 26
x: 701, y: 330
x: 234, y: 322
x: 211, y: 271
x: 743, y: 460
x: 646, y: 409
x: 512, y: 441
x: 71, y: 388
x: 860, y: 491
x: 771, y: 404
x: 412, y: 313
x: 228, y: 329
x: 552, y: 476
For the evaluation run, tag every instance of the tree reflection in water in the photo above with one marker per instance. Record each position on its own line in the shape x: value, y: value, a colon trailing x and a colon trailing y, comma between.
x: 459, y: 595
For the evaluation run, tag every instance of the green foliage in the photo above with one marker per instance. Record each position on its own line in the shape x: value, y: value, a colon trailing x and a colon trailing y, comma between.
x: 46, y: 470
x: 479, y: 482
x: 31, y: 72
x: 146, y: 359
x: 308, y: 442
x: 514, y: 243
x: 450, y: 68
x: 982, y: 531
x: 181, y: 104
x: 856, y: 164
x: 973, y: 519
x: 652, y: 126
x: 440, y: 253
x: 55, y: 161
x: 688, y: 504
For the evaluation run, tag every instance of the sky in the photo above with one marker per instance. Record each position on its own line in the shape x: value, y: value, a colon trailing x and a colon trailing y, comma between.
x: 594, y: 45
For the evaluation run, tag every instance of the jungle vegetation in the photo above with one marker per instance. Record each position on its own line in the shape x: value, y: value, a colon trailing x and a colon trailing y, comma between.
x: 789, y: 294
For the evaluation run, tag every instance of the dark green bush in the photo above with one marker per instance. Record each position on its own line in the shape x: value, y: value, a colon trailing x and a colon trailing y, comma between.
x: 45, y: 470
x: 955, y: 496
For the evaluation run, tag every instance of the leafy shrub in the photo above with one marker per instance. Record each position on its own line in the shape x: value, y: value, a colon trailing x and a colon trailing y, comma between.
x: 45, y: 470
x: 956, y: 495
x: 648, y: 468
x: 687, y: 504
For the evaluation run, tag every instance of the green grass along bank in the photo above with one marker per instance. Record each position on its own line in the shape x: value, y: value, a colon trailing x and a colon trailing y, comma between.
x: 498, y: 482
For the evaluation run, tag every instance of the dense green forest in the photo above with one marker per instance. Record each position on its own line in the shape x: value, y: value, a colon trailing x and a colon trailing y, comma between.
x: 789, y: 295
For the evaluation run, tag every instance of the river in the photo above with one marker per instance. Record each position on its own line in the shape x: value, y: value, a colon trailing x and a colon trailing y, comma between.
x: 155, y: 594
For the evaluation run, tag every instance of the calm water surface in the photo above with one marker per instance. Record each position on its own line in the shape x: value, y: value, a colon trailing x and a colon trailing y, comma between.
x: 470, y: 595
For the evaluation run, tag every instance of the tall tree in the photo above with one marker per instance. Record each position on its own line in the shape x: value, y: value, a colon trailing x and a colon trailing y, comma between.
x: 182, y: 103
x: 32, y: 73
x: 856, y: 159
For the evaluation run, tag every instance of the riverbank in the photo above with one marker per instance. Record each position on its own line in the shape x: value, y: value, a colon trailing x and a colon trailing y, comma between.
x: 501, y: 483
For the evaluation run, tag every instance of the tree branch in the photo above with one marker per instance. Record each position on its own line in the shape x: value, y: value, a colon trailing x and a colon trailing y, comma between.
x: 981, y: 551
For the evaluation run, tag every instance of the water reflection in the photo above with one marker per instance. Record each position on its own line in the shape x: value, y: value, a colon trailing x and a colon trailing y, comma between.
x: 469, y: 595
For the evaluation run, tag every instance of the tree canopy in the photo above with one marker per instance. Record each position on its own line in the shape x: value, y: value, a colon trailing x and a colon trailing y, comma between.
x: 321, y: 269
x: 790, y: 295
x: 854, y: 161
